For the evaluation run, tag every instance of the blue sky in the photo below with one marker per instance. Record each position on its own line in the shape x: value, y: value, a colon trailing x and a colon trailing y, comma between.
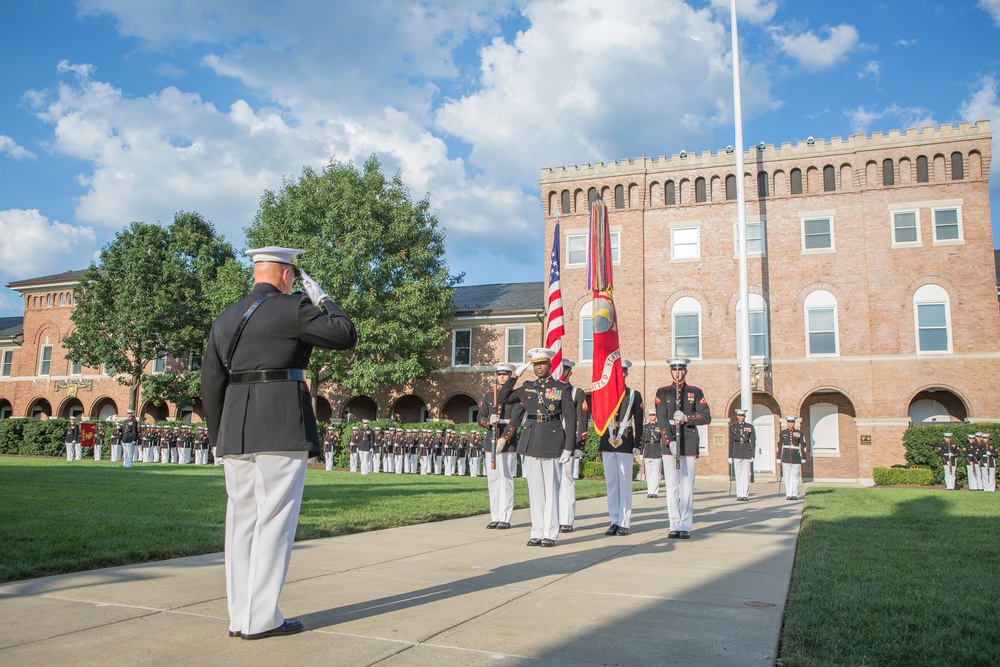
x: 115, y: 110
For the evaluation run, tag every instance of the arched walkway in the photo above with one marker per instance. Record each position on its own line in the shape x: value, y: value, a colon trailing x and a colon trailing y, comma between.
x: 460, y: 409
x: 410, y: 408
x: 103, y: 408
x: 151, y: 414
x: 358, y: 408
x: 936, y: 405
x: 39, y: 409
x: 827, y: 421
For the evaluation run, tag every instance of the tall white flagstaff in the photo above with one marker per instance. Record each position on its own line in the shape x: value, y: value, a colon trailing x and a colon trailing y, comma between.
x: 746, y: 395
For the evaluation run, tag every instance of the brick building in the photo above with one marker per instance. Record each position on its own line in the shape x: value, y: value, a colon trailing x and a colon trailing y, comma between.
x: 873, y: 287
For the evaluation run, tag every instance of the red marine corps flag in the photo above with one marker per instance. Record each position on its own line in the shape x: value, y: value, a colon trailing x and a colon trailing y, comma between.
x: 608, y: 387
x: 554, y: 329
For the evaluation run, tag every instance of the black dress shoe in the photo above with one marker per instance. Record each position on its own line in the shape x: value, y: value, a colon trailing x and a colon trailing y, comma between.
x: 613, y: 530
x: 622, y: 531
x: 673, y: 534
x: 492, y: 524
x: 502, y: 525
x: 565, y: 529
x: 235, y: 633
x: 535, y: 542
x: 546, y: 542
x: 654, y: 495
x: 291, y: 626
x: 685, y: 535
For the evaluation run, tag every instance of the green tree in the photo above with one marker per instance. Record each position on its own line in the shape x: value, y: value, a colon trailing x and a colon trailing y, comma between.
x: 148, y: 297
x: 379, y: 255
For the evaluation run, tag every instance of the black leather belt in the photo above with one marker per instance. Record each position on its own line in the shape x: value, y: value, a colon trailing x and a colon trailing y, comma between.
x: 283, y: 375
x: 543, y: 418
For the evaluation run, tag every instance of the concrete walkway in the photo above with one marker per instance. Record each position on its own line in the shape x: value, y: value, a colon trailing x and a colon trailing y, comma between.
x: 449, y: 593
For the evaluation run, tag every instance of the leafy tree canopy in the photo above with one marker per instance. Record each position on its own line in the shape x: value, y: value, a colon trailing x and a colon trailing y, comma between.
x: 379, y: 255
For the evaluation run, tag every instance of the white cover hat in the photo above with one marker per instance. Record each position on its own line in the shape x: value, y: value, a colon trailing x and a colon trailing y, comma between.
x: 274, y: 254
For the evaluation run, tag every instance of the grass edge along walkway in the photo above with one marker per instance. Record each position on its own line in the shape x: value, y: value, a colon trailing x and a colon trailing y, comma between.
x: 894, y: 576
x: 58, y: 517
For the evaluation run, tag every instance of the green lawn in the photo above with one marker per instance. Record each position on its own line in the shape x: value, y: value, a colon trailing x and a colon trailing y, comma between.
x: 895, y: 577
x: 58, y: 517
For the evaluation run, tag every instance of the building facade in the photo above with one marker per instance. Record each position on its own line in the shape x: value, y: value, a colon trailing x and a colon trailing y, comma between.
x: 873, y: 288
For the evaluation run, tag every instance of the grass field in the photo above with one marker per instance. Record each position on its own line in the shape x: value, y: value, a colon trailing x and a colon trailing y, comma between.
x: 57, y: 517
x: 895, y: 576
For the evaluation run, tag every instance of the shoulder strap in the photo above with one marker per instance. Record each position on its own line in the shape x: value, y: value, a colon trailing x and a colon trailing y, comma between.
x: 239, y: 329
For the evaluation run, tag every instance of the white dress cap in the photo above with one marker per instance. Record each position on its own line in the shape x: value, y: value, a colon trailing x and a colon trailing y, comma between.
x: 274, y: 254
x: 626, y: 364
x: 540, y: 354
x: 504, y: 368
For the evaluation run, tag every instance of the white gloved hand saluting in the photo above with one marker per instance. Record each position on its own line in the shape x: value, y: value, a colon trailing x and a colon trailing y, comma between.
x: 520, y: 369
x: 680, y: 417
x: 566, y: 456
x: 315, y: 292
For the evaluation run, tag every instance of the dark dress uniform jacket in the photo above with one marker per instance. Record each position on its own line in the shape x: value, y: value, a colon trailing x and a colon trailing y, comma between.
x: 949, y: 454
x: 486, y: 408
x: 652, y: 441
x: 582, y: 416
x: 268, y: 416
x: 792, y: 447
x: 694, y: 405
x: 628, y: 434
x: 130, y: 430
x: 742, y: 440
x: 551, y: 399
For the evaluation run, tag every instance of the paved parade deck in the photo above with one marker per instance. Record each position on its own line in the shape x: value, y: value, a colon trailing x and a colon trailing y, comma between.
x: 449, y: 593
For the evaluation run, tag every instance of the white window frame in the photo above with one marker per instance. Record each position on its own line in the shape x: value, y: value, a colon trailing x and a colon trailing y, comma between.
x: 577, y: 237
x: 6, y: 363
x: 931, y: 295
x: 810, y: 217
x: 757, y: 305
x: 892, y: 228
x: 674, y: 245
x: 454, y: 347
x: 191, y: 358
x: 934, y: 225
x: 763, y: 244
x: 75, y: 368
x: 45, y: 360
x: 820, y: 303
x: 685, y: 306
x: 160, y: 364
x: 508, y: 358
x: 586, y: 315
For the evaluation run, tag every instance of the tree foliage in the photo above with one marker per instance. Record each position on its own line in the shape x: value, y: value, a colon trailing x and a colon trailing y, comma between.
x: 379, y: 255
x: 147, y: 297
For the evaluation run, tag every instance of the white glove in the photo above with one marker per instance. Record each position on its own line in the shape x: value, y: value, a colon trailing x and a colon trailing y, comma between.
x: 634, y: 451
x: 501, y: 443
x: 577, y: 453
x: 729, y: 460
x: 315, y: 292
x: 494, y: 419
x: 566, y: 456
x: 520, y: 369
x: 680, y: 417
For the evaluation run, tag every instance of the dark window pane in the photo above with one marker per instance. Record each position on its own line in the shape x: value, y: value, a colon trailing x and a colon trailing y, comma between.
x: 669, y: 193
x: 730, y: 187
x: 957, y: 167
x: 762, y: 184
x: 699, y: 190
x: 565, y: 201
x: 796, y: 180
x: 888, y: 175
x: 922, y: 171
x: 829, y: 178
x: 619, y: 196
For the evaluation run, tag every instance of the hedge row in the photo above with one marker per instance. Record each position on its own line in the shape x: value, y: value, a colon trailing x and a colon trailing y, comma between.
x: 921, y: 443
x: 33, y: 437
x: 902, y: 476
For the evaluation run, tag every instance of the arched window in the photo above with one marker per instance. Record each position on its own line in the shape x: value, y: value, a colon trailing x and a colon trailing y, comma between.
x: 669, y: 193
x: 565, y: 202
x: 795, y: 178
x: 932, y: 319
x: 591, y: 197
x: 619, y: 196
x: 586, y: 333
x: 957, y: 167
x: 829, y: 178
x: 821, y: 324
x: 762, y: 184
x: 923, y: 174
x: 686, y: 316
x: 699, y: 190
x: 888, y: 175
x: 731, y: 186
x: 758, y: 326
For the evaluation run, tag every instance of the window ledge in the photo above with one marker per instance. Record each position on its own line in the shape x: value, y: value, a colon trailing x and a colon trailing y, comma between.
x: 685, y: 259
x: 825, y: 455
x: 818, y: 251
x: 909, y: 244
x: 949, y: 242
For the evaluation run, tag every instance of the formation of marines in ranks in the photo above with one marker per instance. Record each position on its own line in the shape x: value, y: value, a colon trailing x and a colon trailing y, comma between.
x: 980, y: 461
x: 131, y: 442
x: 398, y: 450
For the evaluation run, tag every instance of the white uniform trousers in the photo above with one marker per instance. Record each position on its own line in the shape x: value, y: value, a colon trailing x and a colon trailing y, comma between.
x: 680, y: 491
x: 972, y: 477
x: 201, y: 457
x: 425, y: 465
x: 576, y: 468
x: 413, y: 464
x: 185, y: 455
x: 653, y: 467
x: 618, y: 479
x: 128, y: 451
x: 989, y: 479
x: 164, y: 455
x: 542, y: 479
x: 980, y: 477
x: 449, y: 466
x: 97, y: 452
x: 353, y: 458
x: 217, y: 459
x: 949, y: 477
x: 474, y: 466
x: 174, y: 455
x: 461, y: 466
x: 398, y: 463
x: 388, y: 462
x: 792, y: 472
x: 500, y: 483
x: 69, y: 451
x: 328, y: 460
x: 438, y: 463
x: 265, y: 493
x: 116, y: 453
x: 376, y: 461
x: 366, y: 462
x: 567, y: 493
x: 741, y: 470
x: 152, y: 455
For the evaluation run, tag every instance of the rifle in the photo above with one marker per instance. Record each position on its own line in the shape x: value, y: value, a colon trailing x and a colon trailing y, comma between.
x: 678, y: 428
x: 777, y: 467
x: 496, y: 429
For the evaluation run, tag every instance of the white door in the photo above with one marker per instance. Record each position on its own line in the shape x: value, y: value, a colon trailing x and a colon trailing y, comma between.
x: 763, y: 424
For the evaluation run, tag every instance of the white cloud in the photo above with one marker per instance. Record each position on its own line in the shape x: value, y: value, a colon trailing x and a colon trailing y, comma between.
x: 871, y: 70
x: 893, y: 116
x: 816, y: 52
x: 35, y: 246
x: 905, y: 42
x: 754, y: 11
x: 992, y: 7
x: 12, y: 149
x: 984, y: 105
x: 81, y: 70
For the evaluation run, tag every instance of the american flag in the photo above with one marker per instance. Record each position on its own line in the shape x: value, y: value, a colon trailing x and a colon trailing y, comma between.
x: 554, y: 328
